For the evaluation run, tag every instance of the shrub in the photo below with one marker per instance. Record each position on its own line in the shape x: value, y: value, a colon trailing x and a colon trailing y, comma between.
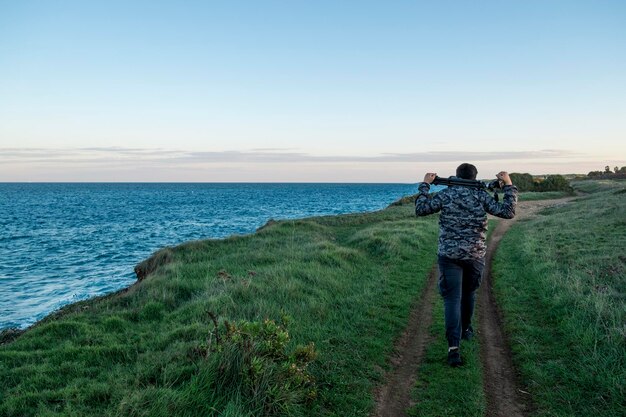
x: 523, y: 182
x: 554, y: 183
x: 250, y: 361
x: 526, y: 182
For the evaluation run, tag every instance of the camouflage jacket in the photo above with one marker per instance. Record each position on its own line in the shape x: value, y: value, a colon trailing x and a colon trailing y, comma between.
x: 463, y: 219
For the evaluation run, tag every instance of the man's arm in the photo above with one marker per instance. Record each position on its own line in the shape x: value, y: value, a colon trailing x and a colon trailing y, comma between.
x: 506, y: 209
x: 424, y: 203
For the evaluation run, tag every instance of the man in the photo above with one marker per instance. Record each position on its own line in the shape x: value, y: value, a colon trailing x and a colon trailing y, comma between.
x: 461, y: 254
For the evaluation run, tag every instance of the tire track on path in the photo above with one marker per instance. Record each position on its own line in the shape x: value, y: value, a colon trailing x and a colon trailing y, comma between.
x: 394, y: 397
x: 504, y: 398
x: 500, y: 387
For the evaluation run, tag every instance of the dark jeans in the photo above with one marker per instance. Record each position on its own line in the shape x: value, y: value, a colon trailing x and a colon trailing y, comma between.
x: 458, y: 281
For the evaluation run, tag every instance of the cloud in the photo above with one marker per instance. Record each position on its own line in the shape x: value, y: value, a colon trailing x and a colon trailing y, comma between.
x: 118, y: 150
x: 449, y: 156
x: 121, y: 155
x: 271, y: 149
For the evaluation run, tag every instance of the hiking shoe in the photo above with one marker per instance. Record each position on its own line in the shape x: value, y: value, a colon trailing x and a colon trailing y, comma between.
x: 468, y: 334
x: 454, y: 358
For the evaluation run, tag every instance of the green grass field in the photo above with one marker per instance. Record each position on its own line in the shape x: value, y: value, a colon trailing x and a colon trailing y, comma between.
x: 346, y: 283
x: 546, y: 195
x: 561, y: 281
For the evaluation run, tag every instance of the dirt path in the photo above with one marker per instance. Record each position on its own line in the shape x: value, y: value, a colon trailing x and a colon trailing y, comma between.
x: 394, y: 398
x: 504, y: 398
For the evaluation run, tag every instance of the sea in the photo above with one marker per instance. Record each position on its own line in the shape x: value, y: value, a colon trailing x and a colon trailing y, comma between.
x: 65, y: 242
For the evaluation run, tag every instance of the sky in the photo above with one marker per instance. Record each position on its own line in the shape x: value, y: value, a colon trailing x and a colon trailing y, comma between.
x: 303, y: 91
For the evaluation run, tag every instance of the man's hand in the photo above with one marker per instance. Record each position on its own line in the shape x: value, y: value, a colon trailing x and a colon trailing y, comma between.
x: 504, y: 176
x: 430, y: 177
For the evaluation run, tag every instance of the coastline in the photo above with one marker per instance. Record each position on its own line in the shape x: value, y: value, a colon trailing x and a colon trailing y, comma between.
x: 71, y: 242
x: 343, y: 284
x: 342, y: 280
x: 147, y: 266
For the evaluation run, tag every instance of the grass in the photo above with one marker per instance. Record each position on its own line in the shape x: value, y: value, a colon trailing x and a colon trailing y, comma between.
x: 344, y: 283
x: 560, y: 279
x: 546, y: 195
x: 594, y: 186
x: 441, y: 390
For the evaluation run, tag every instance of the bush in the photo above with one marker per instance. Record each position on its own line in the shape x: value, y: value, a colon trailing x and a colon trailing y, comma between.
x: 250, y: 361
x: 523, y: 182
x: 554, y: 183
x: 607, y: 173
x: 526, y: 182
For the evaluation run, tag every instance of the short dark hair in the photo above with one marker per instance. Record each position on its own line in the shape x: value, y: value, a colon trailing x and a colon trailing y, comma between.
x: 466, y: 171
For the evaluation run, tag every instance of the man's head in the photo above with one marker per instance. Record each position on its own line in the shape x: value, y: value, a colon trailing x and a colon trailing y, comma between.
x: 466, y: 171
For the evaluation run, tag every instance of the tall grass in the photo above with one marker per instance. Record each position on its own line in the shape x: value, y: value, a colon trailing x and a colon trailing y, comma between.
x: 542, y: 195
x: 347, y: 283
x: 561, y: 281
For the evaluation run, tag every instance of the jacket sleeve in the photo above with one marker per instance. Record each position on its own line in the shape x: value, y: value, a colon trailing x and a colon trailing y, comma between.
x: 506, y: 209
x: 426, y: 204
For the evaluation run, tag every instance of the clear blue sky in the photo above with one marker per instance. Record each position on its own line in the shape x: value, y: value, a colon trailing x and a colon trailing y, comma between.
x: 308, y: 91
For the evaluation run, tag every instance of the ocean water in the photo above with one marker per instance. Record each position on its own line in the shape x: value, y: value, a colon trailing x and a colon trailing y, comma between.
x: 61, y: 243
